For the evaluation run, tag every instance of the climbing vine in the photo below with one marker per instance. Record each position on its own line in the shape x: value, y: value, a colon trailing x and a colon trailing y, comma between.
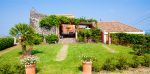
x: 54, y: 20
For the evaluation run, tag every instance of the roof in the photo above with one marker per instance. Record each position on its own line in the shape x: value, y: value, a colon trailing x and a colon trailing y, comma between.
x: 116, y: 27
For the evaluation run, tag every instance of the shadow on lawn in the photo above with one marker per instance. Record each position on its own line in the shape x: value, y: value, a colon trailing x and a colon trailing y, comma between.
x: 80, y: 68
x: 132, y: 52
x: 33, y: 52
x: 37, y: 70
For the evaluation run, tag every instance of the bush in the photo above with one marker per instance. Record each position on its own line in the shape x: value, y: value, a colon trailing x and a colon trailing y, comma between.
x: 129, y: 39
x: 84, y: 35
x: 136, y: 61
x: 12, y: 69
x: 109, y: 64
x: 96, y: 34
x: 51, y: 38
x: 96, y: 66
x: 139, y: 49
x: 140, y: 43
x: 38, y: 39
x: 146, y: 60
x: 122, y: 63
x: 6, y: 42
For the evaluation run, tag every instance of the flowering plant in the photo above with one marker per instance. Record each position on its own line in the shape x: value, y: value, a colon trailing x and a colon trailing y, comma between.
x: 87, y: 58
x: 28, y: 60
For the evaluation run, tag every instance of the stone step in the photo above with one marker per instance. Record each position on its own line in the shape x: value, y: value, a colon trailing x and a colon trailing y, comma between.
x: 67, y: 40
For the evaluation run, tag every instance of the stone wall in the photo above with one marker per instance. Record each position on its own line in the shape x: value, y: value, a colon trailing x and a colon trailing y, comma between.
x: 35, y: 18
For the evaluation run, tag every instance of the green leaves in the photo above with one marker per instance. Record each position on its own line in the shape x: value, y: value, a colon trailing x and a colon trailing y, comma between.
x: 6, y: 42
x: 54, y: 20
x: 21, y: 29
x: 50, y: 21
x: 86, y: 34
x: 139, y: 43
x: 63, y: 19
x: 51, y: 38
x: 24, y: 31
x: 25, y: 34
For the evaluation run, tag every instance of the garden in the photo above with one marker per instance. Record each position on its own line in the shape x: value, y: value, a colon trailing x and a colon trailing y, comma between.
x: 47, y: 64
x: 37, y: 53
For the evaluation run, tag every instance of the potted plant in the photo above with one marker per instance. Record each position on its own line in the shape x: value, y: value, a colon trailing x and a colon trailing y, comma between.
x: 87, y: 64
x: 29, y: 62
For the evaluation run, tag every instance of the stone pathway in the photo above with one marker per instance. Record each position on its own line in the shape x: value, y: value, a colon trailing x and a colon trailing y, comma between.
x: 67, y: 40
x: 108, y: 48
x: 62, y: 53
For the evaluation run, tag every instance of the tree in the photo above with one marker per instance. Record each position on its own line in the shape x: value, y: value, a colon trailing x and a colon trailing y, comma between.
x: 25, y: 34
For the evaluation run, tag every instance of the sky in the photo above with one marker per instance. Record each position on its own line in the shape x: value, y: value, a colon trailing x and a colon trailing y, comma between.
x: 135, y: 13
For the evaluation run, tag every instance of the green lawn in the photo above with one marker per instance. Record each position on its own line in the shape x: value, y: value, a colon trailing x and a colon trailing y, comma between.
x: 72, y: 63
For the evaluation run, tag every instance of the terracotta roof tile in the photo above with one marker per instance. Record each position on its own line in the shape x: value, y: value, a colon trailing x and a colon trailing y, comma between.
x: 117, y: 27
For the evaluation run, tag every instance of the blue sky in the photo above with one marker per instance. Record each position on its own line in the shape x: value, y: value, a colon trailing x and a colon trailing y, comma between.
x: 133, y: 12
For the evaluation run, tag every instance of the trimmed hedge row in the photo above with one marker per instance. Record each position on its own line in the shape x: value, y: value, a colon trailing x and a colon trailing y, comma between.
x: 130, y: 39
x: 139, y: 43
x: 6, y: 42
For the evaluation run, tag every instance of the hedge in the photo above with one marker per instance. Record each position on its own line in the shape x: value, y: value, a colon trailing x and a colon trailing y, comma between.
x: 140, y: 43
x: 89, y: 35
x: 130, y: 39
x: 6, y: 43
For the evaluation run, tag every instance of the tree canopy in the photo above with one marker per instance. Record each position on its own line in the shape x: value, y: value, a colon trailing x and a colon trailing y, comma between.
x: 25, y: 34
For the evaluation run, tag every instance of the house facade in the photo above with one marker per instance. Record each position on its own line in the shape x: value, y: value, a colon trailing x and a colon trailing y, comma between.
x: 65, y: 30
x: 35, y: 18
x: 70, y: 30
x: 115, y: 27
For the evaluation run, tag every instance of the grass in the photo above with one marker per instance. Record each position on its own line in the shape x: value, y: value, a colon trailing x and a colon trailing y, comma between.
x: 72, y: 63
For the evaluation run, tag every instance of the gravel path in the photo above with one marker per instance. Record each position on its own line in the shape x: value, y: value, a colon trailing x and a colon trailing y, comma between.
x: 62, y: 53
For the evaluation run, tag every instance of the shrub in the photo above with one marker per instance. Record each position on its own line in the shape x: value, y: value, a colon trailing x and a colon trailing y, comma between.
x: 136, y: 61
x: 138, y: 50
x: 109, y: 64
x: 96, y: 66
x: 146, y: 60
x: 96, y: 34
x: 87, y: 58
x: 127, y: 39
x: 38, y: 39
x: 84, y: 35
x: 141, y: 49
x: 122, y: 63
x: 12, y: 69
x: 140, y: 43
x: 6, y: 42
x: 51, y: 38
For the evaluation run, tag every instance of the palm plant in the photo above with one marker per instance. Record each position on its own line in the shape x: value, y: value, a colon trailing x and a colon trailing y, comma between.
x: 25, y: 34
